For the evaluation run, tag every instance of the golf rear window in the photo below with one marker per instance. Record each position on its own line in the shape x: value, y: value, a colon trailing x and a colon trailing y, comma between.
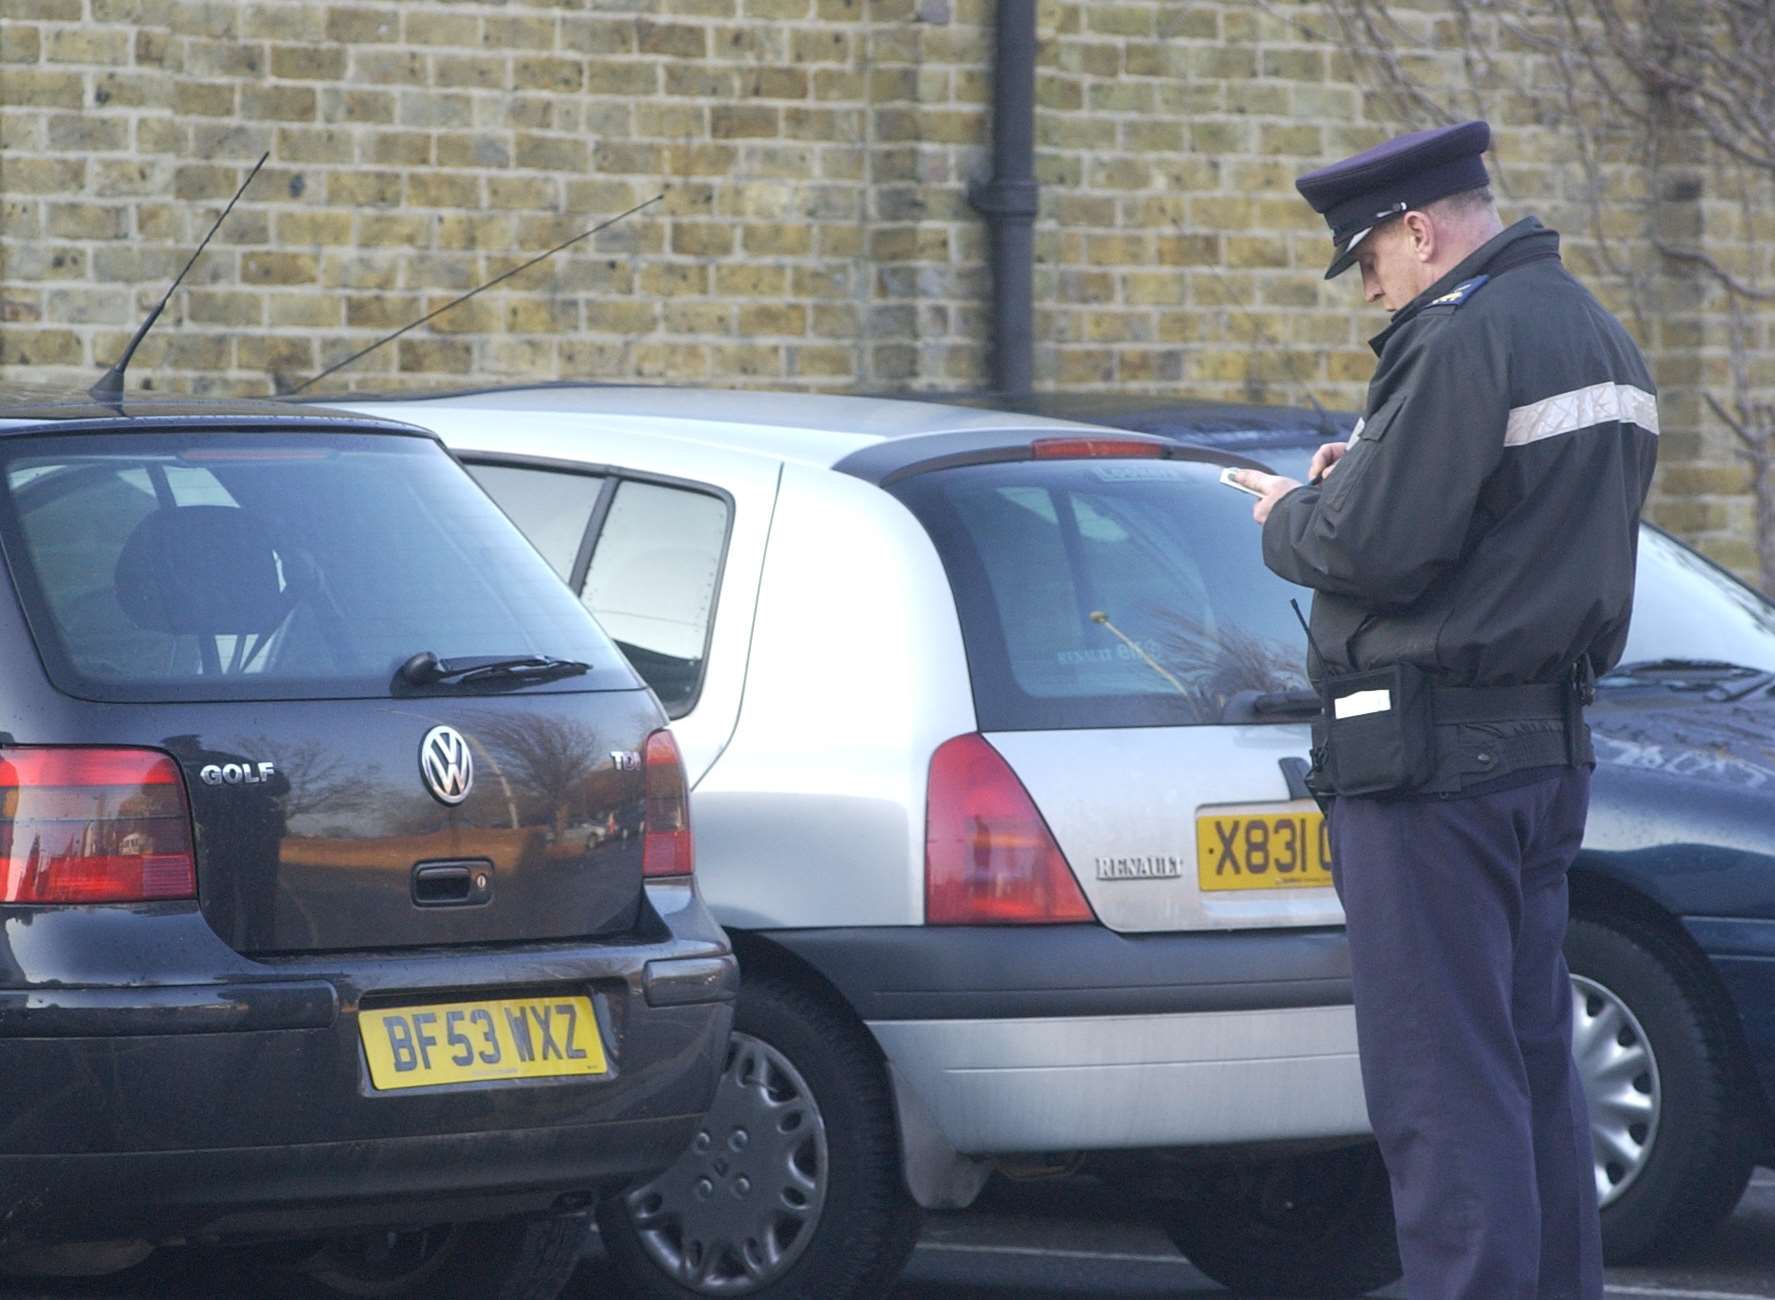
x: 1108, y: 593
x: 214, y: 566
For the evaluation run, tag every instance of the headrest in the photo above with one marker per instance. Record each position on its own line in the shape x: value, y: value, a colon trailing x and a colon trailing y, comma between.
x: 202, y: 570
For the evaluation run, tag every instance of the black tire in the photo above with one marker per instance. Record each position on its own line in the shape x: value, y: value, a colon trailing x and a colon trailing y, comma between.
x: 1694, y: 1162
x: 503, y: 1260
x: 863, y: 1223
x: 1317, y: 1225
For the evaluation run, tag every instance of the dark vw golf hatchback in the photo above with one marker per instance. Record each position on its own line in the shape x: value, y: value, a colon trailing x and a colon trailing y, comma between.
x: 346, y: 904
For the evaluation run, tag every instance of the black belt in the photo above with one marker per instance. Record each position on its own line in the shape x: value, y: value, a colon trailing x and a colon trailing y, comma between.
x: 1499, y: 703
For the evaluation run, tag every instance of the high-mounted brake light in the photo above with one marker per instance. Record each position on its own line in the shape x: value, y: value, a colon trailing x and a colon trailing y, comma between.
x: 665, y: 832
x: 93, y: 826
x: 990, y: 859
x: 1094, y: 448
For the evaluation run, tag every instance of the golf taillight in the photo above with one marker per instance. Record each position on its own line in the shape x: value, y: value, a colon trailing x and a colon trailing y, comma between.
x: 990, y: 859
x: 665, y: 834
x: 93, y: 826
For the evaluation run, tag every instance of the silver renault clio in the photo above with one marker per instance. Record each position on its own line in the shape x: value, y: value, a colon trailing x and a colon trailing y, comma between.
x: 996, y: 757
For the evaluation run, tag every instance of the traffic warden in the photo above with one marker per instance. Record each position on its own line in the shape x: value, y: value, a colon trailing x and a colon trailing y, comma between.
x: 1471, y: 553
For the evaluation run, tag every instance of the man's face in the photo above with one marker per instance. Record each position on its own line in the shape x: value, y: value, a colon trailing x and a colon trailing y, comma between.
x: 1391, y: 272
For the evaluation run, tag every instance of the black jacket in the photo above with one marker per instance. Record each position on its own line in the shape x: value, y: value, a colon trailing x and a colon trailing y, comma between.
x: 1484, y: 524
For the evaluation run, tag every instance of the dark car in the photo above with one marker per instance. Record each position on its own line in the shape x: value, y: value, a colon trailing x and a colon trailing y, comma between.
x: 303, y: 938
x: 1672, y: 939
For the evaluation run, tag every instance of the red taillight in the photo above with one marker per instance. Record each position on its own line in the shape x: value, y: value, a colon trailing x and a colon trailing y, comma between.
x: 989, y: 858
x: 665, y: 833
x: 1093, y: 448
x: 93, y: 826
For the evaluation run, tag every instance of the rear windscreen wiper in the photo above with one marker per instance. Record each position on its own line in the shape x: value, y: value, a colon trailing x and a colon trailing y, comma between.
x: 1271, y: 706
x: 426, y: 669
x: 1293, y: 704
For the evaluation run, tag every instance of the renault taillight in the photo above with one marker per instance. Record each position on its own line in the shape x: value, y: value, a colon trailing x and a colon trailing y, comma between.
x: 93, y: 826
x: 989, y: 857
x: 1096, y: 449
x: 665, y: 839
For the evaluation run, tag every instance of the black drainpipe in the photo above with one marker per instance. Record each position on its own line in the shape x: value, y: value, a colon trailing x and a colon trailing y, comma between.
x: 1008, y: 198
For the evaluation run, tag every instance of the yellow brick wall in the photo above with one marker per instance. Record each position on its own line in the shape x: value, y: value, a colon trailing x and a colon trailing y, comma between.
x: 815, y: 231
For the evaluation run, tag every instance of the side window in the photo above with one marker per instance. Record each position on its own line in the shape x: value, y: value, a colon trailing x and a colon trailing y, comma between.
x: 652, y: 583
x: 551, y: 507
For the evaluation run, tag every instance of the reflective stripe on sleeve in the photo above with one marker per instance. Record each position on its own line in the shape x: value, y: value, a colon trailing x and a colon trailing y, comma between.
x: 1581, y: 408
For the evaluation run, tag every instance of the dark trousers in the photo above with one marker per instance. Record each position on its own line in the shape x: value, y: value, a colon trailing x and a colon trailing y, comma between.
x: 1457, y: 913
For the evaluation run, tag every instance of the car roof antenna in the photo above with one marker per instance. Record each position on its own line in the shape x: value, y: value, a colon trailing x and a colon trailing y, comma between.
x: 110, y: 385
x: 390, y: 338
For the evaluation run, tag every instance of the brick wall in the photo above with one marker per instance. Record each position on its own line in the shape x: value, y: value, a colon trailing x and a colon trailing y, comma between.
x: 815, y: 231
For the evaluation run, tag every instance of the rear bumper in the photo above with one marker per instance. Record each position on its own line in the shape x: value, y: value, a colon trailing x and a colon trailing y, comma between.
x: 1045, y: 1038
x: 962, y: 972
x: 319, y: 1188
x: 175, y: 1108
x: 997, y: 1087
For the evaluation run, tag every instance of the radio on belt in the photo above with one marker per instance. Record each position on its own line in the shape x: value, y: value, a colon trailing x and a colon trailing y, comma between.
x: 1377, y: 734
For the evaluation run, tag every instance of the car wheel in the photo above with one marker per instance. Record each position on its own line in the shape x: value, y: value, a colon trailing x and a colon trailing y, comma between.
x: 510, y: 1259
x: 1316, y: 1225
x: 1668, y: 1119
x: 792, y: 1189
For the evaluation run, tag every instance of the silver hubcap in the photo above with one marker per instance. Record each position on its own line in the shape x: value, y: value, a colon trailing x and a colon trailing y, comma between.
x: 740, y: 1206
x: 1620, y: 1082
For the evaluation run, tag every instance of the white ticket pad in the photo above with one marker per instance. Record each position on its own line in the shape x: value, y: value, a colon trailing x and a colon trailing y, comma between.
x: 1357, y: 703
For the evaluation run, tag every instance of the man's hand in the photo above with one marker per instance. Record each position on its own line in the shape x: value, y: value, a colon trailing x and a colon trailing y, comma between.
x: 1323, y: 459
x: 1273, y: 486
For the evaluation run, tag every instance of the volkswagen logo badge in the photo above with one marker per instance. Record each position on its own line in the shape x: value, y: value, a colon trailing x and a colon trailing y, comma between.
x: 446, y: 765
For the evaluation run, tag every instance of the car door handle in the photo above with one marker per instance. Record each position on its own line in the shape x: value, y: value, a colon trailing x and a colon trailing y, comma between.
x: 452, y: 884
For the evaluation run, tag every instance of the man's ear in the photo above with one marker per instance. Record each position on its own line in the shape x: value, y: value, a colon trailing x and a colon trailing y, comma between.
x: 1420, y: 233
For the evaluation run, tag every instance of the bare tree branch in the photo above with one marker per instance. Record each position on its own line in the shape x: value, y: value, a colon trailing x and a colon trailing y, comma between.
x: 1726, y: 418
x: 1707, y: 262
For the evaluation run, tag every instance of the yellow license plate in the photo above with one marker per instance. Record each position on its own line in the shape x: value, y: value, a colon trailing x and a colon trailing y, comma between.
x: 1267, y: 848
x: 470, y: 1042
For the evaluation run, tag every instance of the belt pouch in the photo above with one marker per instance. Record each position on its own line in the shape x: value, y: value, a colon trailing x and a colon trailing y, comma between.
x: 1378, y: 731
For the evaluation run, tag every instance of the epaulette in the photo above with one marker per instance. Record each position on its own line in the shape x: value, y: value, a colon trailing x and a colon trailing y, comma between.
x: 1460, y: 293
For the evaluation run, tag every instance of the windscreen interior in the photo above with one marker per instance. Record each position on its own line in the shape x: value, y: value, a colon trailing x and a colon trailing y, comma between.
x: 269, y: 565
x: 1108, y: 592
